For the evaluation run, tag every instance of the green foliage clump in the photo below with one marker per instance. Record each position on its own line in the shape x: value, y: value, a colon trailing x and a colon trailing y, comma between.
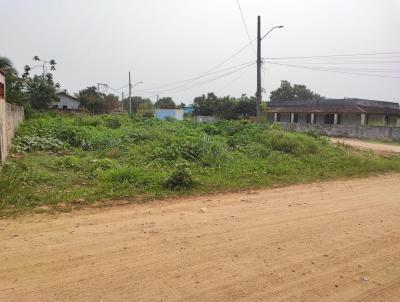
x: 180, y: 179
x: 37, y: 143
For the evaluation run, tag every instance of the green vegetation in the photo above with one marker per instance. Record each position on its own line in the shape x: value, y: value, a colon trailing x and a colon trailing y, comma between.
x: 81, y: 159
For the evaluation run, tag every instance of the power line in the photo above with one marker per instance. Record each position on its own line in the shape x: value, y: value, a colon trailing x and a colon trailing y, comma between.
x: 191, y: 80
x: 180, y: 89
x: 245, y: 27
x: 327, y: 69
x: 232, y: 81
x: 363, y: 55
x: 188, y: 81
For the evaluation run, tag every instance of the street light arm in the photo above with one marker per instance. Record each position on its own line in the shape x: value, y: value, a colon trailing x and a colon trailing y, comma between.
x: 134, y: 85
x: 275, y: 27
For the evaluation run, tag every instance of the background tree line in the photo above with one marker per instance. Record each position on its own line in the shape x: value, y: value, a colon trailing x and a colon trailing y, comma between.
x: 40, y: 91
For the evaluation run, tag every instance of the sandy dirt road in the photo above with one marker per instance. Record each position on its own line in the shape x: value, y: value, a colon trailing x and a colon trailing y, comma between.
x: 335, y: 241
x: 378, y: 147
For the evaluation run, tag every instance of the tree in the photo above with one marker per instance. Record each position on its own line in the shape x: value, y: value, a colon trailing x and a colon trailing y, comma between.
x: 205, y: 105
x: 287, y: 92
x: 14, y: 90
x: 165, y: 103
x: 109, y: 103
x: 226, y: 107
x: 90, y: 99
x: 40, y: 91
x: 247, y: 106
x: 146, y: 108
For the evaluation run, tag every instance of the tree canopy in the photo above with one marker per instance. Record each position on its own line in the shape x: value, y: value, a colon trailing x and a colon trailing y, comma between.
x: 226, y: 107
x: 165, y: 103
x: 287, y: 92
x: 97, y: 102
x: 14, y: 91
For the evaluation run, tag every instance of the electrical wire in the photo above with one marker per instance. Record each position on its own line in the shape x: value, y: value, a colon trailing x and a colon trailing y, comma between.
x: 232, y: 81
x: 246, y: 28
x: 395, y: 53
x: 335, y: 70
x: 180, y: 89
x: 187, y: 82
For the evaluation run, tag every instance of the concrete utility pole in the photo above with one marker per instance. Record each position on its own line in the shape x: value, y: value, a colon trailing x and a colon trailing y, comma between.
x: 130, y: 94
x: 259, y: 63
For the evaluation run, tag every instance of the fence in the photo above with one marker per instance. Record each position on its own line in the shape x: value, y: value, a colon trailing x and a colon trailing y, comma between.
x: 10, y: 117
x: 368, y: 132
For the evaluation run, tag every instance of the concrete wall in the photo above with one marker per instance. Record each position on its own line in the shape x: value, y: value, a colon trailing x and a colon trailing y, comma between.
x: 10, y: 117
x: 351, y: 131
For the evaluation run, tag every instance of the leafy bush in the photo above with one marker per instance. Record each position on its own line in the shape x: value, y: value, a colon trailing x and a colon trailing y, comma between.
x: 36, y: 143
x: 111, y: 122
x: 180, y: 179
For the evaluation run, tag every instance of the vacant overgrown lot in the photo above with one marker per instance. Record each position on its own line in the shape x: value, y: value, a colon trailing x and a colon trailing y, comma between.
x: 80, y: 159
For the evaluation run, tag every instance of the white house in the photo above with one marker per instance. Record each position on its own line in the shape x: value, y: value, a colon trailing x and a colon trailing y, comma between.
x: 162, y: 114
x: 66, y: 102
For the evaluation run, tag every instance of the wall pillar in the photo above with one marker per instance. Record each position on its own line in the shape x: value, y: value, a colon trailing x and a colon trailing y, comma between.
x: 275, y: 117
x: 292, y: 117
x: 335, y: 119
x: 312, y: 118
x: 363, y: 119
x: 398, y: 122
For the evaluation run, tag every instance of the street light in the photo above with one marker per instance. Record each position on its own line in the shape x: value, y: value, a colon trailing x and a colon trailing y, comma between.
x: 259, y: 64
x: 275, y: 27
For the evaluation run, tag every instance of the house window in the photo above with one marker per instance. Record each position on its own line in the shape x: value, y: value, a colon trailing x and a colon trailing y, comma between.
x: 65, y: 107
x: 295, y: 118
x: 278, y: 117
x: 329, y: 119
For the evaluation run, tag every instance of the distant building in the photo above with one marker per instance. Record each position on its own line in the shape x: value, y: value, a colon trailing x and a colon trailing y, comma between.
x: 205, y: 119
x: 188, y: 109
x: 66, y: 102
x: 162, y: 114
x: 346, y: 112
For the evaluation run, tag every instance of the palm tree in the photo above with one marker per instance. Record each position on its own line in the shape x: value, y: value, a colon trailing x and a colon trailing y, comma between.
x: 7, y: 66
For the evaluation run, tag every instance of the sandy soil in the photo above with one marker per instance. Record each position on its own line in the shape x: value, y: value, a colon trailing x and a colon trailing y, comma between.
x: 379, y: 147
x: 335, y: 241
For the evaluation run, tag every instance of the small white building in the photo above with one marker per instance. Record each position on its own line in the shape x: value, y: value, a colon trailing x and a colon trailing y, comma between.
x: 66, y: 102
x: 163, y: 114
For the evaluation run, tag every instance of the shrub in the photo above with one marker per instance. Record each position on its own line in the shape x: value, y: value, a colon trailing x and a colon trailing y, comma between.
x: 36, y: 143
x: 180, y: 179
x: 111, y: 122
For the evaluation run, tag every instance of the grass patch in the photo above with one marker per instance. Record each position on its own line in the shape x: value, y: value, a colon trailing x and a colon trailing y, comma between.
x: 61, y: 159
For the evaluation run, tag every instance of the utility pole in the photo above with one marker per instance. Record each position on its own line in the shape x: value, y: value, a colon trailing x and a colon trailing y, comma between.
x: 259, y: 63
x: 130, y: 94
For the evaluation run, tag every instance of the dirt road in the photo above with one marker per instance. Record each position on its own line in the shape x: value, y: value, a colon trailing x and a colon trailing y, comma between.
x: 336, y: 241
x: 379, y: 147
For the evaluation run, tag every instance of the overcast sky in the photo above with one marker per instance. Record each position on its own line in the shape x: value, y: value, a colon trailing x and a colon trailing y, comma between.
x: 164, y: 41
